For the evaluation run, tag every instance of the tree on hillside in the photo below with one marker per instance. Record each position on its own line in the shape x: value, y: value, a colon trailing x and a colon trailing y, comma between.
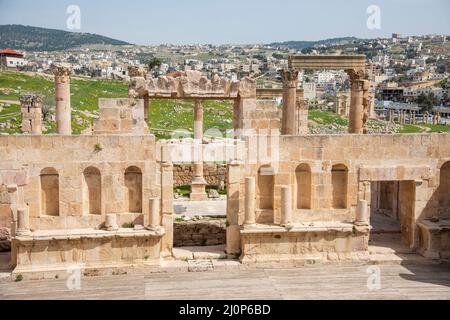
x: 48, y: 107
x: 153, y: 63
x: 426, y: 102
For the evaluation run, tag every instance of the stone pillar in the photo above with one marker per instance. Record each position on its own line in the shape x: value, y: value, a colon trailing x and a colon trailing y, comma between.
x: 167, y: 206
x: 250, y: 201
x: 302, y: 110
x: 154, y: 214
x: 62, y: 74
x: 31, y: 109
x: 290, y: 84
x: 23, y: 222
x: 366, y: 105
x: 235, y: 207
x: 198, y: 188
x: 362, y: 213
x: 286, y: 206
x: 147, y: 110
x: 358, y: 85
x: 111, y: 222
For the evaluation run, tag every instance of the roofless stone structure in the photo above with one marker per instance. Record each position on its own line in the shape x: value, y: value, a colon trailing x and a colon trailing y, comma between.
x: 291, y: 197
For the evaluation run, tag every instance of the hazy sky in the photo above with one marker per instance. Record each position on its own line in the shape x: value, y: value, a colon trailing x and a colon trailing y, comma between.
x: 232, y: 21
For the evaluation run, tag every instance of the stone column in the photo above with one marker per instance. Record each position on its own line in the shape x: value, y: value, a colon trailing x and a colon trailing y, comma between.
x: 111, y: 222
x: 167, y: 205
x: 147, y: 110
x: 154, y: 214
x: 362, y: 213
x: 356, y: 124
x: 366, y: 105
x: 290, y: 84
x: 198, y: 188
x: 301, y: 126
x: 62, y: 74
x: 286, y: 206
x: 31, y: 108
x: 23, y: 222
x: 250, y: 201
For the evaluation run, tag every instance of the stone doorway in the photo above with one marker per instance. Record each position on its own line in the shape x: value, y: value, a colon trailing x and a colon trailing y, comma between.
x: 393, y: 216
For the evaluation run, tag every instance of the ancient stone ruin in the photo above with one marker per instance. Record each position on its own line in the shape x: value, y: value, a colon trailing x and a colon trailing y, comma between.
x: 105, y: 200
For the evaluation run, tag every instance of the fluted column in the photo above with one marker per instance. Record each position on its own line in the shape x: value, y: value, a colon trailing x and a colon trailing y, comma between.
x: 62, y: 74
x: 290, y: 84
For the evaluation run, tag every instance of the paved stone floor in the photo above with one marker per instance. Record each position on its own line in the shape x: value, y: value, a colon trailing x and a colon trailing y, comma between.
x: 325, y: 282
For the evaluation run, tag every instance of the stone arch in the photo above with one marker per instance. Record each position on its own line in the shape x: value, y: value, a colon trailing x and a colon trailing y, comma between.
x: 49, y: 192
x: 339, y: 184
x: 265, y: 186
x: 92, y: 191
x: 303, y: 186
x: 444, y: 189
x: 133, y: 185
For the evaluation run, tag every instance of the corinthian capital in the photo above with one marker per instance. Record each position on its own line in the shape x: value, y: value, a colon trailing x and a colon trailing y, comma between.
x: 357, y: 75
x: 61, y: 69
x: 289, y: 77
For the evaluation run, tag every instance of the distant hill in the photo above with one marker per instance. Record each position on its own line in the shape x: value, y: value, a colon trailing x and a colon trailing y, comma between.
x: 300, y: 45
x: 28, y: 38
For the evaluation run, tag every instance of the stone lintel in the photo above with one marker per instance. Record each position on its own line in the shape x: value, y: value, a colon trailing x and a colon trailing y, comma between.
x: 397, y: 173
x: 328, y: 62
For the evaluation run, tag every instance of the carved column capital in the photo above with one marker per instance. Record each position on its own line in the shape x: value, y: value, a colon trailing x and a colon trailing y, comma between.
x: 62, y: 71
x: 289, y: 77
x: 31, y: 100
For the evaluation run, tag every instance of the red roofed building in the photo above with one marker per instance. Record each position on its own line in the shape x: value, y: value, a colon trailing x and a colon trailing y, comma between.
x: 10, y: 58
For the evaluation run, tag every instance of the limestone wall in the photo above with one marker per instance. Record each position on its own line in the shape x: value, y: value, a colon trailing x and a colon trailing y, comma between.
x: 183, y: 174
x: 67, y: 158
x: 366, y: 158
x: 199, y: 233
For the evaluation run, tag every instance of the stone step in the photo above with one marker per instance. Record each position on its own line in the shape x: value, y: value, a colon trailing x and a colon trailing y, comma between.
x: 200, y: 265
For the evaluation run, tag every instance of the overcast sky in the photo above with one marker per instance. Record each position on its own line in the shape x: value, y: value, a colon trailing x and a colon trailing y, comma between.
x: 232, y: 21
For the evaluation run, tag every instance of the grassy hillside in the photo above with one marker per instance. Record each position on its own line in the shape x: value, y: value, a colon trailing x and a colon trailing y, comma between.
x: 28, y: 38
x: 165, y: 115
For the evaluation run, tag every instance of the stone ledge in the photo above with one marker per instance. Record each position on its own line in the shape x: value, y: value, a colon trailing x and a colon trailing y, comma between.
x: 78, y: 234
x: 306, y: 227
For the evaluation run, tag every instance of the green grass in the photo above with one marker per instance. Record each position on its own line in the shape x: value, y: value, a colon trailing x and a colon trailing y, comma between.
x: 437, y: 128
x: 409, y: 128
x: 325, y: 117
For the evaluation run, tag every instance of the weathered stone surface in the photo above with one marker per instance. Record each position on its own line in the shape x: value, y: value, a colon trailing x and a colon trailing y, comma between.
x: 199, y: 233
x: 213, y: 174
